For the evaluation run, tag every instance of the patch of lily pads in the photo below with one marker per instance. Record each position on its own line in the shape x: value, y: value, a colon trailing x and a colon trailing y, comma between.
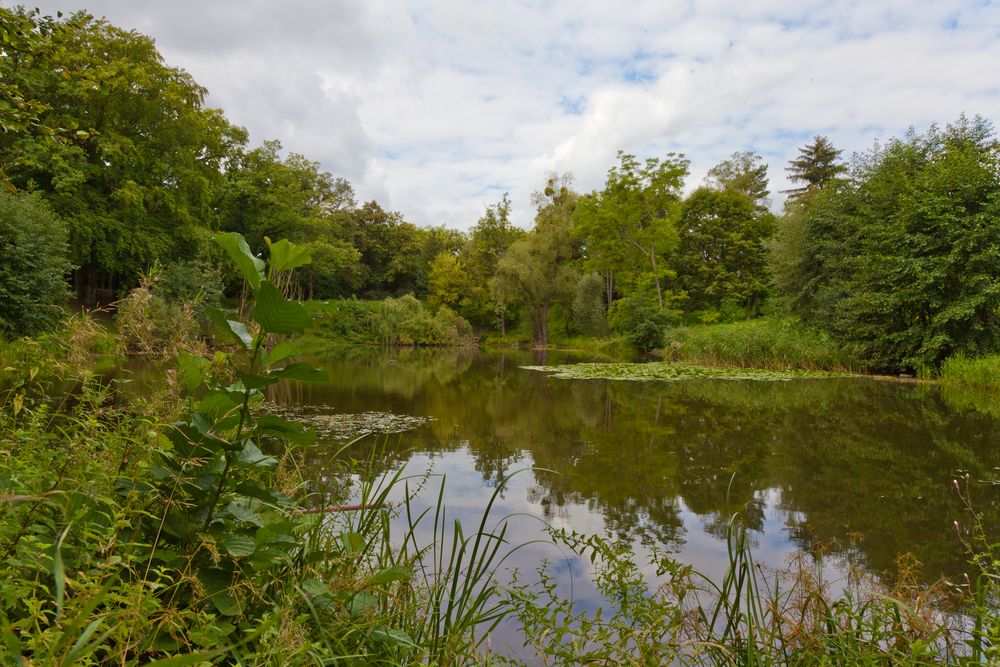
x: 347, y: 426
x: 669, y: 371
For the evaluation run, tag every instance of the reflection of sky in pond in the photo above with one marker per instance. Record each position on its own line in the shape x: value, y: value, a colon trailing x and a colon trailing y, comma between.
x: 467, y: 494
x: 858, y: 468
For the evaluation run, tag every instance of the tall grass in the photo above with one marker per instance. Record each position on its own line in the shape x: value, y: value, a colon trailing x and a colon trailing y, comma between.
x: 974, y: 372
x: 767, y: 342
x: 751, y: 616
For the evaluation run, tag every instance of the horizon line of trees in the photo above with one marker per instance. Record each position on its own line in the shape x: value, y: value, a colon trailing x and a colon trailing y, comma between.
x: 116, y: 165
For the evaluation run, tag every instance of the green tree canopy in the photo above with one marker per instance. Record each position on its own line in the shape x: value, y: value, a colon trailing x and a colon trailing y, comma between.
x: 629, y: 228
x: 537, y: 266
x: 904, y: 258
x: 140, y: 157
x: 721, y: 255
x: 744, y: 172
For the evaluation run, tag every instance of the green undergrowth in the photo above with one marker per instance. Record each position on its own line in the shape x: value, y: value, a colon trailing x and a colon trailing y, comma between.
x: 767, y: 342
x: 183, y: 529
x: 669, y: 371
x: 982, y: 373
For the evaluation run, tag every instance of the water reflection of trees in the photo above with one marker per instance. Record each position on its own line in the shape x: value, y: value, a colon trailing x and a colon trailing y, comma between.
x: 846, y: 457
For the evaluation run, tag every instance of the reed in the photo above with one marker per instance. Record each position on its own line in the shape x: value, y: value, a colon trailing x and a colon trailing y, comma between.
x: 768, y: 342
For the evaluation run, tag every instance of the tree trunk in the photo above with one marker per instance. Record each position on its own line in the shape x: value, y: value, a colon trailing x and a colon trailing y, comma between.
x: 656, y: 276
x: 541, y: 321
x: 610, y: 283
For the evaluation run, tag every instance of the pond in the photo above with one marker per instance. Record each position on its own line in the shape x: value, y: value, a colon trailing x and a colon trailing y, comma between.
x: 856, y: 469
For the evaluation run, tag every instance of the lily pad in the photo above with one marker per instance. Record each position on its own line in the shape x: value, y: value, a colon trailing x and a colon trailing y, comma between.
x: 666, y: 371
x: 347, y: 426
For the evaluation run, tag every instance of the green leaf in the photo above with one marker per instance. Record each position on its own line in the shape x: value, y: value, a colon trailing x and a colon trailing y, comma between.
x: 301, y: 372
x: 286, y: 256
x: 189, y: 442
x: 257, y: 381
x: 192, y: 369
x: 253, y: 489
x: 250, y: 267
x: 292, y: 431
x: 277, y: 533
x: 238, y: 545
x: 216, y: 583
x: 276, y: 314
x: 363, y: 604
x: 252, y: 457
x: 282, y: 351
x: 220, y: 403
x: 390, y: 574
x: 392, y: 636
x: 182, y: 660
x: 237, y: 330
x: 353, y: 542
x: 240, y: 513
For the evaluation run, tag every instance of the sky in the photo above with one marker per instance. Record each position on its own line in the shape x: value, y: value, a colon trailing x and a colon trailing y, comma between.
x: 435, y: 109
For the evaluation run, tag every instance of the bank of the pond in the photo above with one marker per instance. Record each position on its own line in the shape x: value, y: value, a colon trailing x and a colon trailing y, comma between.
x: 979, y: 373
x: 766, y: 342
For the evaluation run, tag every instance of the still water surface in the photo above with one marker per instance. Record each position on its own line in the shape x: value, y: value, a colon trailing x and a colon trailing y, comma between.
x: 857, y: 468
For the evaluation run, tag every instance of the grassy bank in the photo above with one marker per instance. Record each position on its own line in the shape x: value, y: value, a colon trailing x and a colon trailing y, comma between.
x: 767, y: 342
x: 982, y: 373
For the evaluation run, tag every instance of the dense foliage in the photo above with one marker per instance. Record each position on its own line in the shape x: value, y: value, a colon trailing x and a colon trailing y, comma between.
x: 33, y: 270
x: 902, y: 256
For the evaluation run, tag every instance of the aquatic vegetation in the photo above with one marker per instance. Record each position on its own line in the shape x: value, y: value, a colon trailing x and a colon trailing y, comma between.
x: 347, y: 426
x: 669, y: 371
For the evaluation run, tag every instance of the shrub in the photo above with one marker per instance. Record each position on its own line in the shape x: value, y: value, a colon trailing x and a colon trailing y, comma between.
x: 589, y: 310
x: 406, y: 321
x: 33, y: 244
x: 150, y: 324
x: 639, y: 317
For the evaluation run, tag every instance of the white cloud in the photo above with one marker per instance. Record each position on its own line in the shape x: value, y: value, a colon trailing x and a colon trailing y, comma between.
x: 436, y: 108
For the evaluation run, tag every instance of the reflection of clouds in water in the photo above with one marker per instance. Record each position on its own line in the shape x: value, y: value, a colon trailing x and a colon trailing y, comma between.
x: 467, y: 493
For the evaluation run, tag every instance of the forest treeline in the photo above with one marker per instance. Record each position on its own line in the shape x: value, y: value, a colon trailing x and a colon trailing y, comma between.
x: 112, y: 166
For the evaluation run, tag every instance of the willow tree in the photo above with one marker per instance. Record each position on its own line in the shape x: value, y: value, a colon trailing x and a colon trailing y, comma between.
x: 537, y: 267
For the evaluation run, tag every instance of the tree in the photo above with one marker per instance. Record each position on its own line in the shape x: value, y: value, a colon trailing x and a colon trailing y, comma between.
x: 744, y: 172
x: 630, y: 223
x: 135, y: 175
x: 138, y: 158
x: 902, y: 258
x: 816, y: 165
x: 537, y: 266
x: 33, y: 244
x: 447, y: 282
x: 489, y: 240
x: 590, y: 312
x: 721, y: 255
